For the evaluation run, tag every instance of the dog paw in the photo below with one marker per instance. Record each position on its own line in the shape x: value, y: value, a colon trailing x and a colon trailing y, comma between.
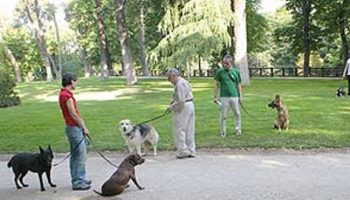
x: 53, y: 185
x: 25, y: 185
x: 142, y: 188
x: 42, y: 189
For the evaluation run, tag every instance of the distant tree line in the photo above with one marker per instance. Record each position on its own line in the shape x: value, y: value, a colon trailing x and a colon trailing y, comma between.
x: 118, y: 37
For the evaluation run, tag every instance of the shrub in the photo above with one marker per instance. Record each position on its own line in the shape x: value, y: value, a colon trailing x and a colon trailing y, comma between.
x: 8, y: 97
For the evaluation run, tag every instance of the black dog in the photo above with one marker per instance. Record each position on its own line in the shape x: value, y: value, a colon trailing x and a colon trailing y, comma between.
x: 340, y: 92
x: 40, y: 162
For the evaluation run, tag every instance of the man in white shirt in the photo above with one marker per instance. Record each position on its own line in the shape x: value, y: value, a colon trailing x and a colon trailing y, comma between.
x: 182, y: 107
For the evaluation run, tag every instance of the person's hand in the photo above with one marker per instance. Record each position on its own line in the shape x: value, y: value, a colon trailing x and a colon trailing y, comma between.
x: 215, y: 99
x: 86, y: 131
x: 240, y: 100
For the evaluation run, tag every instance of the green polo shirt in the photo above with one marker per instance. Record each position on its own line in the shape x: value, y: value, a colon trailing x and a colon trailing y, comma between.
x: 227, y: 86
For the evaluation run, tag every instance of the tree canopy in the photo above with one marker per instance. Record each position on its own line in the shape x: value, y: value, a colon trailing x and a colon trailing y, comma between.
x: 153, y: 35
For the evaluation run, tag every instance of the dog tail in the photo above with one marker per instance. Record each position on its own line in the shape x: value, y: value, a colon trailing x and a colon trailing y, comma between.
x: 9, y: 164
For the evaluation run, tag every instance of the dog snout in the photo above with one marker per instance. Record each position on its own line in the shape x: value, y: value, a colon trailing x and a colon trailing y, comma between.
x: 271, y: 104
x: 142, y: 160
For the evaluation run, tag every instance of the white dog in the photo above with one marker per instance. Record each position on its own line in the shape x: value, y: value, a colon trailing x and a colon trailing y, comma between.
x: 137, y: 135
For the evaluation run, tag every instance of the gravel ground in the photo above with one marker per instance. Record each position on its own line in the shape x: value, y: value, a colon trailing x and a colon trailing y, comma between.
x: 213, y: 174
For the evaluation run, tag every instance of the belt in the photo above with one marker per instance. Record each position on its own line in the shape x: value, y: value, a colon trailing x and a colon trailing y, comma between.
x: 189, y: 100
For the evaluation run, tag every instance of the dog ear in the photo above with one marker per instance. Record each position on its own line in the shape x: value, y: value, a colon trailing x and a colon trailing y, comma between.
x: 49, y: 148
x: 277, y: 97
x: 41, y: 150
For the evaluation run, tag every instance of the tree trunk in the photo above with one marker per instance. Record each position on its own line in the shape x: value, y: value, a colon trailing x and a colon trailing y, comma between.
x: 87, y: 66
x: 232, y: 30
x: 306, y: 34
x: 14, y: 63
x: 59, y: 70
x: 130, y: 73
x: 241, y: 59
x: 39, y: 34
x: 102, y: 38
x: 142, y: 44
x: 342, y: 26
x: 53, y: 66
x: 200, y: 65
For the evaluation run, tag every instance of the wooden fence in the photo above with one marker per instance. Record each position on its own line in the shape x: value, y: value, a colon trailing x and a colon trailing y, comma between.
x: 267, y: 72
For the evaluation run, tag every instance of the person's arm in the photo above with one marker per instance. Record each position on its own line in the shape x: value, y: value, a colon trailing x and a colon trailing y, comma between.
x: 77, y: 119
x: 239, y: 87
x: 216, y: 91
x: 346, y: 68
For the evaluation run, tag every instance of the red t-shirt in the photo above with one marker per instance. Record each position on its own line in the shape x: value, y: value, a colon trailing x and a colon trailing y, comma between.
x: 65, y: 95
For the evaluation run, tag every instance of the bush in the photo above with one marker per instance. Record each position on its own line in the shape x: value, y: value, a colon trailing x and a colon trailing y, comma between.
x: 8, y: 97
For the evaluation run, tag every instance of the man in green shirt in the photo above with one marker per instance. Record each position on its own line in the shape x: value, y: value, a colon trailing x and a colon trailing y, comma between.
x: 228, y: 87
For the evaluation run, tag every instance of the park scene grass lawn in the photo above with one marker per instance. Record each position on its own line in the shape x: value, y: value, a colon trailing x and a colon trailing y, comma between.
x: 317, y: 117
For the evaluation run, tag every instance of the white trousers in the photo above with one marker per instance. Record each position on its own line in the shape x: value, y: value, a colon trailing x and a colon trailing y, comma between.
x: 233, y: 103
x: 183, y: 129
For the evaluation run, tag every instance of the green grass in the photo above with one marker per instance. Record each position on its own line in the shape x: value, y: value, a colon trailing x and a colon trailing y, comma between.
x: 318, y: 118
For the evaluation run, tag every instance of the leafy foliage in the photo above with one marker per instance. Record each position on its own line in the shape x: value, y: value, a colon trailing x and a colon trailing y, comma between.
x: 193, y: 28
x: 8, y: 97
x: 25, y: 50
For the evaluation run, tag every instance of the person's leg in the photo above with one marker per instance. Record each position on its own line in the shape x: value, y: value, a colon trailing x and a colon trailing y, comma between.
x: 348, y: 84
x: 179, y: 134
x: 234, y: 104
x: 78, y: 155
x: 190, y: 131
x: 223, y: 114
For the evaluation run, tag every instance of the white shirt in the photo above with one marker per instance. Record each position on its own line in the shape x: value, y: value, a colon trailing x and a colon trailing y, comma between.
x: 346, y: 71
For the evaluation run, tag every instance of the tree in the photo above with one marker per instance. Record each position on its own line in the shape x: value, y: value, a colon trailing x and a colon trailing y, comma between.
x: 8, y: 97
x: 51, y: 9
x: 241, y: 59
x: 13, y: 60
x: 142, y: 43
x: 81, y: 16
x: 38, y: 26
x: 192, y: 30
x: 104, y: 51
x: 25, y: 50
x: 304, y: 32
x: 333, y: 17
x: 130, y: 73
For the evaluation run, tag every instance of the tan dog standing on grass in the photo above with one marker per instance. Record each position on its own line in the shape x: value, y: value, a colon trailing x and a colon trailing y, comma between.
x: 282, y: 119
x: 117, y: 183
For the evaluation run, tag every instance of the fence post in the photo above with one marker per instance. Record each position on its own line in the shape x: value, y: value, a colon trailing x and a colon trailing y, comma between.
x: 271, y: 71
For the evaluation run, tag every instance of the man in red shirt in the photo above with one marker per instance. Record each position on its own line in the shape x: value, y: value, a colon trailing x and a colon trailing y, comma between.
x: 75, y: 132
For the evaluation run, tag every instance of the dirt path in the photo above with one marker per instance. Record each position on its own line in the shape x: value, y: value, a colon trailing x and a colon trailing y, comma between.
x: 252, y: 174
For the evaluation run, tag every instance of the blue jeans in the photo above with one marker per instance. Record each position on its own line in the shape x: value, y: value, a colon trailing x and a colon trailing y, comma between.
x: 78, y: 155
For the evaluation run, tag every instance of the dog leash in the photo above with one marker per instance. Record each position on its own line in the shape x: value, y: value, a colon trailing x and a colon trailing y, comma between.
x: 239, y: 94
x: 70, y: 153
x: 246, y: 111
x: 100, y: 153
x: 154, y: 118
x: 76, y: 147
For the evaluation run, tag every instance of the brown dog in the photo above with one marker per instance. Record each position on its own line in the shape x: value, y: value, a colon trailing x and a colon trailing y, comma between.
x: 120, y: 179
x: 282, y: 119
